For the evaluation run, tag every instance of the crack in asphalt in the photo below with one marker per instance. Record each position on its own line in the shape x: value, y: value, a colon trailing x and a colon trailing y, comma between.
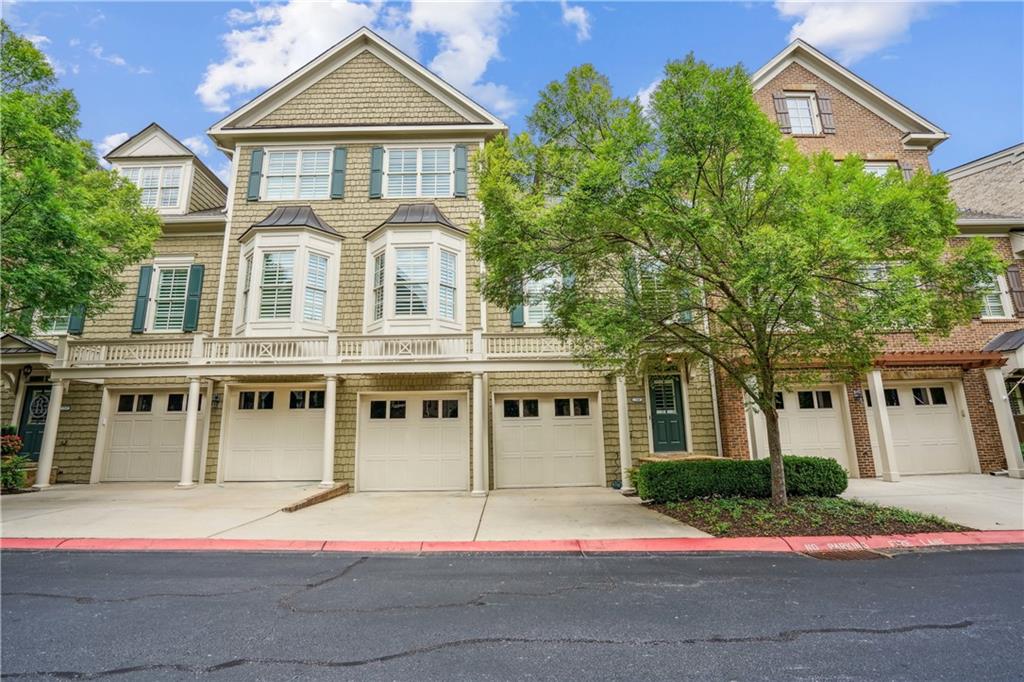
x: 784, y: 636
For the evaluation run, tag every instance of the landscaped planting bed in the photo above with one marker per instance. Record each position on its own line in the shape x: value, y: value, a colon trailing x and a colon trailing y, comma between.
x: 745, y: 517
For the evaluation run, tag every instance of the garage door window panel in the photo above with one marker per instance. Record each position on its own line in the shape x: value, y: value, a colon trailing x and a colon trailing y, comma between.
x: 144, y: 402
x: 265, y: 400
x: 938, y: 395
x: 531, y: 408
x: 175, y: 402
x: 378, y: 409
x: 396, y: 409
x: 316, y: 400
x: 563, y: 407
x: 780, y: 401
x: 126, y: 402
x: 824, y: 399
x: 805, y: 399
x: 430, y: 409
x: 581, y: 407
x: 247, y: 400
x: 450, y: 409
x: 510, y: 409
x: 297, y: 400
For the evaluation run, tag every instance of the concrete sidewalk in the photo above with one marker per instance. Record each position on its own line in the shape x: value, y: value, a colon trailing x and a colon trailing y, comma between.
x: 250, y: 511
x: 973, y: 500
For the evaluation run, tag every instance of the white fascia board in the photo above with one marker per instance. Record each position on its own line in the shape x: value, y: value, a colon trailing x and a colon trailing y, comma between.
x: 854, y: 86
x: 1014, y: 154
x: 381, y: 48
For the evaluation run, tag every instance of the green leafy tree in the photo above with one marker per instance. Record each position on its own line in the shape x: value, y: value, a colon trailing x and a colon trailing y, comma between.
x: 695, y: 228
x: 69, y: 227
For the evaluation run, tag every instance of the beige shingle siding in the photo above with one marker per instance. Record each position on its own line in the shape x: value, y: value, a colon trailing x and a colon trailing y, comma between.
x: 76, y: 432
x: 116, y: 322
x: 998, y: 190
x: 353, y: 217
x: 7, y: 415
x: 206, y: 193
x: 858, y: 129
x: 363, y: 91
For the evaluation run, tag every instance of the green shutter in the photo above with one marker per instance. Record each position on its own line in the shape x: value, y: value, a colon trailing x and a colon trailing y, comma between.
x: 516, y: 316
x: 376, y: 172
x: 142, y: 299
x: 338, y: 173
x: 77, y: 322
x: 460, y: 170
x: 255, y: 175
x: 195, y: 290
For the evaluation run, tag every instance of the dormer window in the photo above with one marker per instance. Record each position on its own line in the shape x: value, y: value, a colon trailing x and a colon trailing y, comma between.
x: 160, y: 185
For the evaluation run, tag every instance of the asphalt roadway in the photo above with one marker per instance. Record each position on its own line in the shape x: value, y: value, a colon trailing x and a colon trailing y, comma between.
x: 926, y: 615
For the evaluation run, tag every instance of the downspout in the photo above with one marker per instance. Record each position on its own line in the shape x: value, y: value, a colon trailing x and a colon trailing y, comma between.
x: 227, y: 239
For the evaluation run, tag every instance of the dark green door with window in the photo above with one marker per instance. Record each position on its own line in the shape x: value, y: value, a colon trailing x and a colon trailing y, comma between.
x: 33, y: 419
x: 667, y: 430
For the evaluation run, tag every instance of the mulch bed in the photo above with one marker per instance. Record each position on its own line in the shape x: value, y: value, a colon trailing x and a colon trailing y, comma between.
x: 741, y: 517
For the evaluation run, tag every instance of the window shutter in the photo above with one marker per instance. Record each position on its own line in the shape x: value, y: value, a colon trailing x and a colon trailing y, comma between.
x: 516, y: 316
x: 908, y: 170
x: 1016, y: 287
x: 77, y: 322
x: 376, y: 172
x: 195, y: 290
x: 782, y: 112
x: 338, y: 173
x: 142, y: 299
x: 255, y: 175
x: 828, y: 119
x: 460, y: 170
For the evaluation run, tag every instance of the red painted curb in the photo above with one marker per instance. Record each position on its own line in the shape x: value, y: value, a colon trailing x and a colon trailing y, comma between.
x: 648, y: 545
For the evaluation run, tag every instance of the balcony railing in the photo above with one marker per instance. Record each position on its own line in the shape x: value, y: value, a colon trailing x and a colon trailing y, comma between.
x: 330, y: 349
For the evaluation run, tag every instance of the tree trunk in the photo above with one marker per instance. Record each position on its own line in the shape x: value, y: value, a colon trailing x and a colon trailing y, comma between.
x: 771, y: 418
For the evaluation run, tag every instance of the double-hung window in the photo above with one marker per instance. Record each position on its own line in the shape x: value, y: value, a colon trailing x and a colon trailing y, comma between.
x: 993, y: 302
x: 446, y: 293
x: 316, y: 288
x: 801, y: 114
x: 536, y: 310
x: 412, y: 278
x: 378, y: 286
x: 169, y: 298
x: 419, y: 172
x: 246, y: 286
x: 160, y: 185
x: 298, y: 174
x: 879, y: 168
x: 276, y: 285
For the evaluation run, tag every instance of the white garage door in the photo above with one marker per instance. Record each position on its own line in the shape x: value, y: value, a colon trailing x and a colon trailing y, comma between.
x: 276, y: 434
x: 145, y: 436
x: 812, y: 422
x: 927, y: 432
x: 546, y: 441
x: 413, y: 442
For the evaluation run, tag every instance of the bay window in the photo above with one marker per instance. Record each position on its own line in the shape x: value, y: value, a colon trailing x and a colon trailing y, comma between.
x: 316, y: 288
x: 276, y: 285
x: 412, y: 277
x: 419, y: 171
x: 378, y: 286
x: 448, y: 279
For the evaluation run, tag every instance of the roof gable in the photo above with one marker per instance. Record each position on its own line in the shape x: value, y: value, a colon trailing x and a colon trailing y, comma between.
x: 918, y: 131
x: 341, y: 63
x: 148, y: 142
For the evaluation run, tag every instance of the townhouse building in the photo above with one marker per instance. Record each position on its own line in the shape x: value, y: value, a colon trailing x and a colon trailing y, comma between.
x: 316, y: 319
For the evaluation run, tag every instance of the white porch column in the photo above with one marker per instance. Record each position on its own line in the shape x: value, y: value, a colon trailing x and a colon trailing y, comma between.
x: 479, y: 466
x: 49, y: 435
x: 883, y: 430
x: 1004, y: 417
x: 625, y: 447
x: 330, y: 401
x: 188, y: 449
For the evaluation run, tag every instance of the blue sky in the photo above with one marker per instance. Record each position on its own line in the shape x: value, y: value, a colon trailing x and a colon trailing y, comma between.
x: 184, y: 64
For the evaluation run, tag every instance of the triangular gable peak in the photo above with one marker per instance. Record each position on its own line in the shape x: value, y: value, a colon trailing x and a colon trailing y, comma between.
x: 151, y: 141
x: 918, y: 132
x: 361, y: 82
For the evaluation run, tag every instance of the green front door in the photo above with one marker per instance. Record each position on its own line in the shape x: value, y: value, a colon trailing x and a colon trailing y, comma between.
x: 667, y: 413
x: 33, y: 420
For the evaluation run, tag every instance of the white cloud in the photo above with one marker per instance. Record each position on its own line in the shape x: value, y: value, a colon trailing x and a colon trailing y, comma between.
x: 577, y: 17
x: 269, y: 42
x: 37, y: 40
x: 644, y: 94
x: 198, y: 144
x: 851, y: 30
x: 98, y: 52
x: 109, y: 142
x: 74, y: 42
x: 223, y: 171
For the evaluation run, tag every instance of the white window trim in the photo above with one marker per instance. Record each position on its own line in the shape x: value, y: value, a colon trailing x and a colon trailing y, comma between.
x: 184, y: 181
x: 888, y: 165
x: 265, y: 178
x: 302, y: 243
x: 296, y: 268
x: 1004, y: 298
x: 812, y: 97
x: 552, y: 280
x: 165, y: 263
x: 50, y: 330
x: 419, y: 170
x: 434, y: 240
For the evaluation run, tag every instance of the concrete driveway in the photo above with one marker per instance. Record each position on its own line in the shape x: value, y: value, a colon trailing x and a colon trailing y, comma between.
x: 973, y: 500
x: 251, y: 511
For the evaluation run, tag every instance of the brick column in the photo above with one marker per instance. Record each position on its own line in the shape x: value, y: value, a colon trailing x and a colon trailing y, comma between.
x: 733, y: 417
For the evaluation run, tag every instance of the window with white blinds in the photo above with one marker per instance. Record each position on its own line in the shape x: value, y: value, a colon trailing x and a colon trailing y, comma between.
x: 302, y: 174
x: 422, y: 172
x: 160, y: 185
x: 378, y: 286
x: 536, y: 310
x: 446, y: 294
x: 246, y: 286
x: 276, y: 285
x: 316, y: 288
x: 412, y: 277
x: 992, y: 304
x: 169, y: 299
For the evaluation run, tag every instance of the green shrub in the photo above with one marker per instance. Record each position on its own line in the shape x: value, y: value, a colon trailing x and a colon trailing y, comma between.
x: 673, y: 481
x: 12, y: 472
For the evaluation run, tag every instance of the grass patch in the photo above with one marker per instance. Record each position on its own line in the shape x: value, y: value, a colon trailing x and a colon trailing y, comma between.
x: 730, y: 517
